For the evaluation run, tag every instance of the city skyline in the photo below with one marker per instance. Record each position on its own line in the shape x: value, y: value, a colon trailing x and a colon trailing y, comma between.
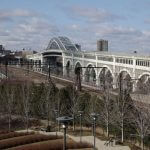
x: 31, y: 24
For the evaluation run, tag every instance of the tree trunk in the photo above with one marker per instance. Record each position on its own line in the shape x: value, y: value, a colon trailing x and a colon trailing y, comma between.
x: 48, y: 120
x: 9, y: 123
x: 73, y: 122
x: 142, y: 143
x: 48, y: 116
x: 107, y: 124
x: 107, y: 130
x: 122, y: 131
x: 27, y: 123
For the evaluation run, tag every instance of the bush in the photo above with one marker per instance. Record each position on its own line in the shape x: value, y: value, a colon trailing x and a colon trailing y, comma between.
x: 13, y: 142
x: 134, y: 147
x: 53, y: 145
x: 5, y: 132
x: 48, y: 129
x: 14, y: 134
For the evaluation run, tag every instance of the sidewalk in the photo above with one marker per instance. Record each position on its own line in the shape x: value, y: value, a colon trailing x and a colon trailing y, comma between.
x: 89, y: 139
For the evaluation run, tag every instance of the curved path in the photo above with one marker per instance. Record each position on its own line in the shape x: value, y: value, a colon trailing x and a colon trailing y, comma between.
x: 100, y: 145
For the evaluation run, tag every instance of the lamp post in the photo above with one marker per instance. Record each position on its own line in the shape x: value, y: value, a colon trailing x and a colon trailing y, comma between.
x: 94, y: 117
x: 56, y: 115
x: 64, y: 120
x: 80, y: 114
x: 6, y: 68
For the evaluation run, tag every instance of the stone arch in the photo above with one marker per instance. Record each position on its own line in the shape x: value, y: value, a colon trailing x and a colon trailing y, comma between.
x: 105, y: 78
x: 90, y: 73
x: 144, y: 73
x: 143, y: 83
x: 125, y: 70
x: 124, y: 82
x: 108, y: 68
x: 78, y: 64
x: 68, y: 68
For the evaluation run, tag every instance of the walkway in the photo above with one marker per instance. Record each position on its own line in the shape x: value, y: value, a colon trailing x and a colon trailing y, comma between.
x: 89, y: 139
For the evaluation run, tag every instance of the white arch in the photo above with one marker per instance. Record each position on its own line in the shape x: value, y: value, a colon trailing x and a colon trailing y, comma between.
x: 62, y: 44
x: 69, y: 41
x: 69, y: 60
x: 107, y: 68
x: 125, y: 70
x: 92, y: 66
x: 53, y: 40
x: 78, y: 62
x: 139, y: 77
x: 59, y: 42
x: 144, y: 73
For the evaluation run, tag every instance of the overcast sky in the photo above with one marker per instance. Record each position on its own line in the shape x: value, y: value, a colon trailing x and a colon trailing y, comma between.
x: 31, y: 24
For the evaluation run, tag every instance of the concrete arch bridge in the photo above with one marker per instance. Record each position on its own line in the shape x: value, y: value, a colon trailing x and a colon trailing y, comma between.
x: 128, y: 71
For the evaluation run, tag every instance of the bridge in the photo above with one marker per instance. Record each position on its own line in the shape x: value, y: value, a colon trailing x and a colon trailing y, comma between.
x: 64, y: 57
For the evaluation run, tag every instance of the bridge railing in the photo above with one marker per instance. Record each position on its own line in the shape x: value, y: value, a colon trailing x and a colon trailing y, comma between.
x: 56, y: 73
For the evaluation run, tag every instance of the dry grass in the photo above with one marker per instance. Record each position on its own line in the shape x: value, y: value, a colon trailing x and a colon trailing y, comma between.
x: 16, y: 141
x: 53, y: 145
x: 5, y: 132
x: 13, y: 134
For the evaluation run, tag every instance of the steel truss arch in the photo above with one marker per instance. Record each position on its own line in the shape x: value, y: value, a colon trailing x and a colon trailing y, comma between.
x: 64, y: 43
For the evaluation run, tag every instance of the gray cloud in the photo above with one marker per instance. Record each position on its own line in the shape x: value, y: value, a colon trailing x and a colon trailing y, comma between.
x: 147, y: 21
x: 4, y: 33
x: 121, y: 39
x: 93, y: 15
x: 10, y: 15
x: 34, y: 32
x: 31, y: 30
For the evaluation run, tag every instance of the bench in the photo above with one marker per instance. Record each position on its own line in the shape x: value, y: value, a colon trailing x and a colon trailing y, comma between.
x: 109, y: 142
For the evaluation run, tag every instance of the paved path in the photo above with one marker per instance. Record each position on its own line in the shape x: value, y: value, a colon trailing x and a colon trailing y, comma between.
x: 89, y: 139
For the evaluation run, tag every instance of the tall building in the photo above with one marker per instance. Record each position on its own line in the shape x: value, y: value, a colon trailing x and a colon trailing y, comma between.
x: 102, y: 45
x: 1, y: 47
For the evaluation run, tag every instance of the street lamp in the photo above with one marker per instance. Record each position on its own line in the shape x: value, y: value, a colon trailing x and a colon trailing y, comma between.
x: 64, y: 120
x: 94, y: 117
x: 56, y: 115
x: 80, y: 114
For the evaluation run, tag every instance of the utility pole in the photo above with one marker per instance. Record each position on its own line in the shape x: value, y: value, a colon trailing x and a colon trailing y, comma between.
x: 78, y: 78
x: 28, y: 67
x: 49, y: 74
x: 6, y: 68
x: 94, y: 118
x: 120, y: 86
x: 49, y: 71
x: 80, y: 114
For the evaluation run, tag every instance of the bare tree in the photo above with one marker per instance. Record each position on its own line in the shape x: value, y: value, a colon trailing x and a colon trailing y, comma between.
x: 84, y: 104
x: 140, y: 118
x: 9, y: 98
x: 10, y: 105
x: 50, y: 93
x: 26, y: 102
x: 123, y: 106
x: 73, y: 98
x: 106, y: 108
x: 38, y: 99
